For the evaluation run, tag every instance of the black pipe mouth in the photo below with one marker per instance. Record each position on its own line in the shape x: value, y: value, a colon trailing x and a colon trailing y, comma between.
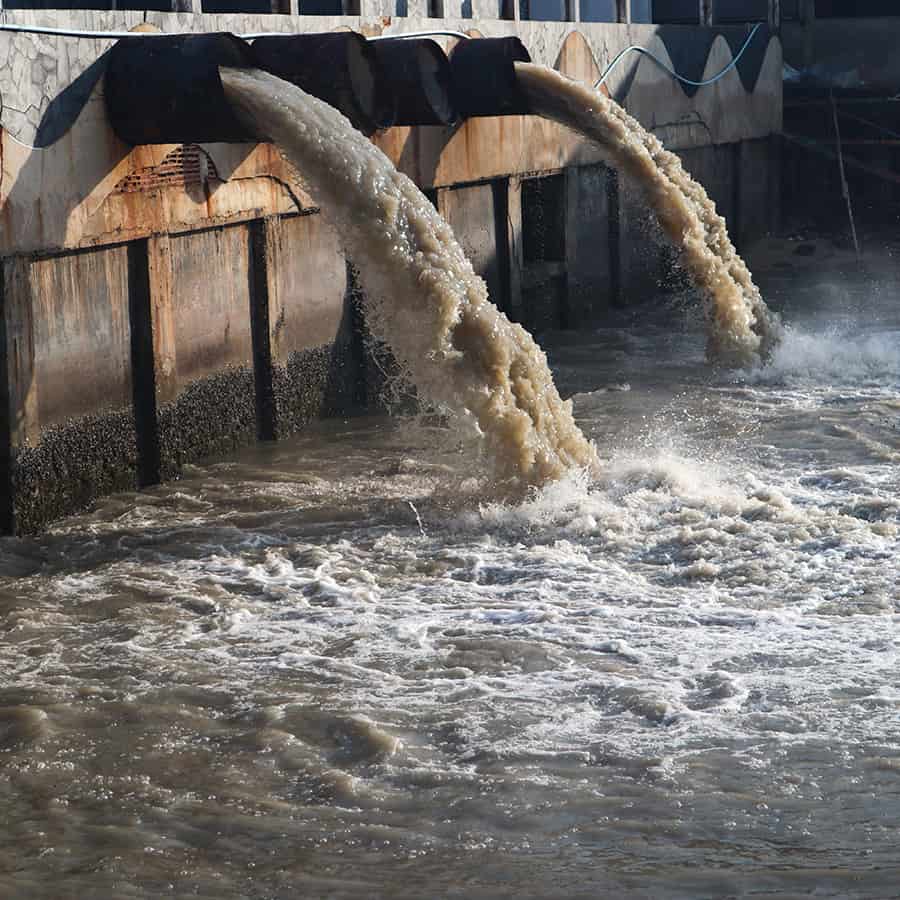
x: 484, y: 77
x: 417, y: 73
x: 339, y: 67
x: 167, y: 89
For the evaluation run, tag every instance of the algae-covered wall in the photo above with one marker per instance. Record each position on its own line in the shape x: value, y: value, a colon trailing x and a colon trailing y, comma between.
x: 165, y: 303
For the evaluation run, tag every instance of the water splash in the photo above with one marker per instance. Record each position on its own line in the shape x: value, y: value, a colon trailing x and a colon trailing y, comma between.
x: 742, y: 330
x: 423, y: 297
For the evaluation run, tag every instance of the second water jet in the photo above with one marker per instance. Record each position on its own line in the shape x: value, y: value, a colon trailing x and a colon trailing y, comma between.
x: 742, y: 330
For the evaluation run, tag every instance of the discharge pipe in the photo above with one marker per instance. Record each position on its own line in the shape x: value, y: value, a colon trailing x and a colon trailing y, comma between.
x: 340, y: 67
x: 167, y: 90
x: 417, y: 73
x: 484, y: 77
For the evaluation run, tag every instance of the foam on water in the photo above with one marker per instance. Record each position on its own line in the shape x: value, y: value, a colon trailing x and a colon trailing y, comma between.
x: 617, y: 670
x: 834, y: 357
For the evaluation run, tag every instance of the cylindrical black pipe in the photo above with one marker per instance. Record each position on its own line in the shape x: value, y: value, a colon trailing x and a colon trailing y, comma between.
x: 167, y: 90
x: 417, y: 72
x: 339, y: 67
x: 484, y: 76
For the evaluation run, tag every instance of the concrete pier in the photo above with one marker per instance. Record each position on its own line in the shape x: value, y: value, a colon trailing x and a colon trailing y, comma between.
x: 163, y: 304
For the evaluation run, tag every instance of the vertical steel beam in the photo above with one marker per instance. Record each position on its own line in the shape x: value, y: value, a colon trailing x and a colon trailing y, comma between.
x: 143, y: 364
x: 18, y: 393
x: 259, y: 232
x: 7, y: 493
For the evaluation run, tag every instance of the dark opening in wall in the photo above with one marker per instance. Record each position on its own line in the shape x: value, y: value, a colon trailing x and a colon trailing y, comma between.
x: 642, y: 11
x: 544, y: 219
x: 402, y: 8
x: 676, y: 12
x: 598, y: 11
x: 507, y: 9
x: 154, y: 5
x: 856, y: 9
x: 325, y: 7
x: 741, y: 10
x: 544, y: 10
x: 236, y: 6
x: 435, y: 9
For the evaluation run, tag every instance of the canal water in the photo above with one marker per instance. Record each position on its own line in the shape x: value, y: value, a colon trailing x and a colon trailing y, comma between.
x: 338, y: 667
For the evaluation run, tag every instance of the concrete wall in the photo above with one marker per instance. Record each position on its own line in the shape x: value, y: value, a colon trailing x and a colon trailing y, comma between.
x: 470, y: 212
x: 163, y: 304
x: 312, y: 330
x: 68, y: 432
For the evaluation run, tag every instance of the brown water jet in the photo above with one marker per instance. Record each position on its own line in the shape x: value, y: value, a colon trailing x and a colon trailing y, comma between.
x: 742, y: 330
x: 423, y: 298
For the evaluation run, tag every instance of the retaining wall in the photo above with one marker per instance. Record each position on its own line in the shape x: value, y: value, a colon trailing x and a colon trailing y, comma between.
x: 164, y: 304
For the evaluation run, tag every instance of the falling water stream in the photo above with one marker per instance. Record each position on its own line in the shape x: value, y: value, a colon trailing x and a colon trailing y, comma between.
x: 320, y: 668
x: 423, y: 298
x: 741, y: 326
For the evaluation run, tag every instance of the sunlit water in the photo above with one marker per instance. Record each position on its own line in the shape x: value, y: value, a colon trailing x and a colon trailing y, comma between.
x: 321, y: 669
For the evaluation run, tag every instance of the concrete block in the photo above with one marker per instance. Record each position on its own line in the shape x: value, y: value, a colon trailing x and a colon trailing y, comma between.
x: 757, y: 178
x: 312, y: 332
x: 209, y: 406
x: 642, y: 246
x: 514, y: 236
x: 469, y: 210
x: 69, y: 431
x: 714, y: 167
x: 544, y: 241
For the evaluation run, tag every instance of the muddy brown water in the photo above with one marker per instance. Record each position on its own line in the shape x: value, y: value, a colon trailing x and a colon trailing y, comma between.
x: 333, y: 667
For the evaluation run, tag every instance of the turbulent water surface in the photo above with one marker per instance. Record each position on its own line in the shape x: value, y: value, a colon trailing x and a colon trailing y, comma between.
x: 324, y: 669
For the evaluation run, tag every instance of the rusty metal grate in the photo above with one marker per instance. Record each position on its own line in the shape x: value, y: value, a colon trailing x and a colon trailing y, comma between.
x: 184, y: 166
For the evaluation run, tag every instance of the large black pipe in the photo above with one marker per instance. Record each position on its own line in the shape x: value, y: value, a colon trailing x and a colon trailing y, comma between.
x: 484, y: 76
x: 339, y: 67
x: 417, y: 72
x: 167, y: 90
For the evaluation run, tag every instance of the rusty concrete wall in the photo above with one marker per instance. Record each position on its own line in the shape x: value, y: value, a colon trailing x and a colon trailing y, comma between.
x: 162, y: 304
x: 315, y: 358
x: 208, y: 405
x: 67, y: 182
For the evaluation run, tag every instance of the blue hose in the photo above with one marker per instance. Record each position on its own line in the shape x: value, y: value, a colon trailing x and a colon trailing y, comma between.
x: 636, y: 49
